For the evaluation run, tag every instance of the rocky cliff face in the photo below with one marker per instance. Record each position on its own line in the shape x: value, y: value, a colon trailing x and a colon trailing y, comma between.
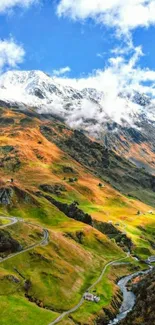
x: 11, y: 194
x: 5, y: 195
x: 8, y: 244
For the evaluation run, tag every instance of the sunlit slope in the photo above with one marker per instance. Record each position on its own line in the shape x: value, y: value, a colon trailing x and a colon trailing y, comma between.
x: 32, y: 160
x: 76, y: 253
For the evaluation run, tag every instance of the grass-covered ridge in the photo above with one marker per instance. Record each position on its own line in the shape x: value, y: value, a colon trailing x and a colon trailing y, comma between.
x: 60, y: 272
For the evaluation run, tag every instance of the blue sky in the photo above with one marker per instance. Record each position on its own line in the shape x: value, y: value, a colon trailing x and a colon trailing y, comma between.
x: 52, y: 42
x: 96, y: 40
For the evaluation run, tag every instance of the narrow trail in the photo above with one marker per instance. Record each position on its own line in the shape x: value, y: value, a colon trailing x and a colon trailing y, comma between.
x: 12, y: 220
x: 43, y: 242
x: 67, y: 313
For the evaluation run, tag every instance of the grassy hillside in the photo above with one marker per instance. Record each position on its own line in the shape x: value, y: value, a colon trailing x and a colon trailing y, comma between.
x: 42, y: 172
x: 101, y: 161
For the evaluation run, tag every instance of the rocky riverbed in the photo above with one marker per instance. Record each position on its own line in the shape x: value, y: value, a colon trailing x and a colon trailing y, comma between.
x: 143, y: 312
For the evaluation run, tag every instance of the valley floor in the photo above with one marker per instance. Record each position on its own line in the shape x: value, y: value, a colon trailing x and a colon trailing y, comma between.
x: 82, y: 311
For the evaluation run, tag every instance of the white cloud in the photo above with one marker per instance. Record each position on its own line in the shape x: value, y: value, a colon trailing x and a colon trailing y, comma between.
x: 101, y: 55
x: 125, y: 15
x: 119, y: 76
x: 9, y: 4
x: 61, y: 71
x: 11, y: 54
x: 92, y: 109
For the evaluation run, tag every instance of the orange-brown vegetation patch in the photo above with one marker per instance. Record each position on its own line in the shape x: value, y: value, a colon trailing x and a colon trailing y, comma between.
x: 142, y: 152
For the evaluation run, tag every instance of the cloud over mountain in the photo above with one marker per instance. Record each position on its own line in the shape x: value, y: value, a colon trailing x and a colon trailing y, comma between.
x: 80, y: 107
x: 122, y: 70
x: 61, y: 71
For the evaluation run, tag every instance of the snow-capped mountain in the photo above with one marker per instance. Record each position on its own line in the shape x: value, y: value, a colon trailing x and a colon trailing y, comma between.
x: 88, y: 109
x: 124, y: 122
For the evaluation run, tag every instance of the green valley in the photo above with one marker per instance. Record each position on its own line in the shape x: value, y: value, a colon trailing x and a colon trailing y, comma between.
x: 57, y: 182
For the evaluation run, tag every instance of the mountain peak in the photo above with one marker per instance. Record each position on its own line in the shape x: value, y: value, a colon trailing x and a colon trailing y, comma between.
x: 88, y: 109
x: 17, y: 77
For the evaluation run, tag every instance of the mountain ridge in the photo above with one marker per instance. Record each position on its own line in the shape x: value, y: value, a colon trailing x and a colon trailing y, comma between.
x: 44, y: 90
x: 125, y: 125
x: 58, y: 178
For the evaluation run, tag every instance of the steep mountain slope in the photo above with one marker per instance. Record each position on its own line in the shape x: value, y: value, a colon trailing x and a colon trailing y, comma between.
x: 51, y: 176
x: 135, y: 144
x: 100, y: 161
x: 125, y: 124
x: 46, y: 157
x: 122, y: 174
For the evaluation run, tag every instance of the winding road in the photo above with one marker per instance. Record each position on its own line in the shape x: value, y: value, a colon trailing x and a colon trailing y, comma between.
x: 67, y: 313
x: 12, y: 220
x: 44, y: 241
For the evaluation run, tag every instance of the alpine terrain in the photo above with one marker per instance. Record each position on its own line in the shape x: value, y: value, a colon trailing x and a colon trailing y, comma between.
x: 77, y: 203
x: 129, y: 131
